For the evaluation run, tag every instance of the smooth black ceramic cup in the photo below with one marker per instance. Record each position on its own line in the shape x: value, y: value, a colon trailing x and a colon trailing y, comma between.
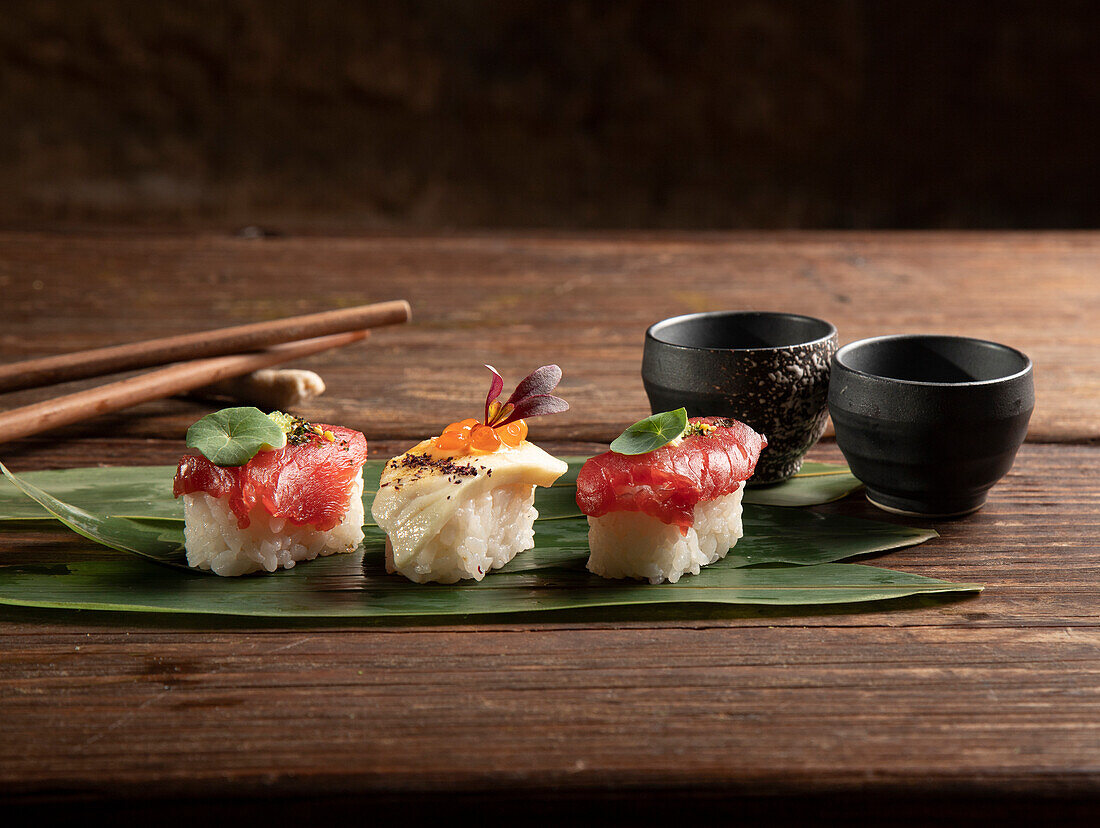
x: 769, y: 370
x: 930, y: 423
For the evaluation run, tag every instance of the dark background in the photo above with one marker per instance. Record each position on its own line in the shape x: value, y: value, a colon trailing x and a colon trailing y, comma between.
x: 584, y: 114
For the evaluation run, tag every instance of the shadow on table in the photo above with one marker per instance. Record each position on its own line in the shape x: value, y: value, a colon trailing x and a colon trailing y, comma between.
x: 920, y: 803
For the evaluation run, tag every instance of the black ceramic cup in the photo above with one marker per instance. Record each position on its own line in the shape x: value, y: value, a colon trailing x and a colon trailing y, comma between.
x: 769, y: 370
x: 930, y: 423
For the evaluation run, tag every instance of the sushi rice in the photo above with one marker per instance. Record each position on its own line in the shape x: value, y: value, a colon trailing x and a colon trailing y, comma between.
x: 448, y: 519
x: 628, y: 544
x: 215, y: 542
x: 484, y: 533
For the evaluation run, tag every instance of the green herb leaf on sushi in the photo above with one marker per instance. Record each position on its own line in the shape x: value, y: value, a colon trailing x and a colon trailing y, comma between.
x: 233, y: 436
x: 652, y: 433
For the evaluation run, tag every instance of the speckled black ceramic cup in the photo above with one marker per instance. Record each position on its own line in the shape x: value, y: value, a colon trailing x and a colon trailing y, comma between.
x: 929, y: 423
x: 770, y: 370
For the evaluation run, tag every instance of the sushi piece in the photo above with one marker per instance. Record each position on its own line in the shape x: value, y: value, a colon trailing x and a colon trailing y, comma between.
x: 280, y: 505
x: 664, y: 513
x: 461, y: 504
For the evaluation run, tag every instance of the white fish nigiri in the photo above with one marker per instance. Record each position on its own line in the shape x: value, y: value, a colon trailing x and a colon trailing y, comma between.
x: 450, y: 518
x: 461, y: 504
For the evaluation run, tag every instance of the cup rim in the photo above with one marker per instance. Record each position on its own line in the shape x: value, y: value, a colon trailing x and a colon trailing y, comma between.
x: 653, y: 331
x: 845, y: 350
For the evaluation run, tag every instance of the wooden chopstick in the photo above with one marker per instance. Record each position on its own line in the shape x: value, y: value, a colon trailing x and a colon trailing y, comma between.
x: 33, y: 373
x: 164, y: 382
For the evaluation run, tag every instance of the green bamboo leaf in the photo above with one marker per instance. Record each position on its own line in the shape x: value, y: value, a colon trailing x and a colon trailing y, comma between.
x: 795, y: 546
x: 126, y: 491
x: 814, y: 484
x: 356, y: 586
x: 157, y: 543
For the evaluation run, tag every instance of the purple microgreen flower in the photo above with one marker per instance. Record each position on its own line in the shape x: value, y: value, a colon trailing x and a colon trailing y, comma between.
x: 495, y: 388
x: 536, y: 406
x: 532, y: 397
x: 540, y: 381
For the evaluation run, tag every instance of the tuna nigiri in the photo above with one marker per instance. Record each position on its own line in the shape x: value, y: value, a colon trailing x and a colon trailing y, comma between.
x: 284, y: 504
x: 666, y: 512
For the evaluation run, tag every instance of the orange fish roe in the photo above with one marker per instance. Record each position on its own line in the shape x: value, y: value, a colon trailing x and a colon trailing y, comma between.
x: 512, y: 434
x: 456, y: 436
x: 463, y: 425
x: 453, y: 441
x: 484, y: 439
x: 470, y: 435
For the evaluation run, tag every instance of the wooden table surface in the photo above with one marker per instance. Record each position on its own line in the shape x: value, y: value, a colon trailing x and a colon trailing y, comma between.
x: 989, y: 700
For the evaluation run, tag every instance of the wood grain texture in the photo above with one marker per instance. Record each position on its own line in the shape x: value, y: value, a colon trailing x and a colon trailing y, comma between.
x: 583, y: 302
x: 995, y: 698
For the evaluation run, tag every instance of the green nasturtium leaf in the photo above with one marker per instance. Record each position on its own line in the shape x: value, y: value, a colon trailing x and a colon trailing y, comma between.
x: 651, y: 433
x: 233, y: 436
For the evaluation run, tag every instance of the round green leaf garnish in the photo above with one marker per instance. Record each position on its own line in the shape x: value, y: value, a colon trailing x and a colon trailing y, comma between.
x: 651, y: 433
x: 278, y: 444
x: 233, y: 436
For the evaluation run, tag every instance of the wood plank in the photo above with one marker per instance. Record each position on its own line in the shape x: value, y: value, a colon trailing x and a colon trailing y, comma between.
x: 583, y: 301
x: 822, y: 708
x: 1000, y: 693
x: 989, y: 698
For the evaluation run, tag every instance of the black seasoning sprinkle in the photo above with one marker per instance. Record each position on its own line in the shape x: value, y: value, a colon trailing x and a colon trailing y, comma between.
x: 444, y: 466
x: 301, y: 432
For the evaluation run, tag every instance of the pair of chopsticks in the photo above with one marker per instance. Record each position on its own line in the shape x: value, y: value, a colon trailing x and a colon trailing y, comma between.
x: 202, y: 358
